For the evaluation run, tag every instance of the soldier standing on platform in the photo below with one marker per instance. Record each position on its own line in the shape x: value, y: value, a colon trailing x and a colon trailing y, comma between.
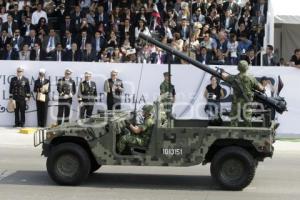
x: 167, y: 96
x: 42, y: 89
x: 87, y: 95
x: 66, y: 90
x: 19, y: 91
x: 113, y: 88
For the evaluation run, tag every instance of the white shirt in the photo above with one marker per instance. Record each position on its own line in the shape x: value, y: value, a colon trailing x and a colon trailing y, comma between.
x: 37, y: 15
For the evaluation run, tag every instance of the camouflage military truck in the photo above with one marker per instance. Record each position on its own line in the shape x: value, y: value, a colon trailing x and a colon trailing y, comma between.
x: 75, y: 150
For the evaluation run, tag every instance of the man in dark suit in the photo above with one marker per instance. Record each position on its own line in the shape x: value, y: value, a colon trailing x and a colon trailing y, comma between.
x: 66, y: 90
x: 10, y: 53
x: 82, y: 40
x: 31, y: 39
x: 228, y: 22
x: 199, y: 4
x: 58, y: 54
x: 67, y: 40
x: 10, y: 26
x: 203, y: 56
x: 101, y: 17
x: 27, y: 27
x: 89, y: 54
x: 76, y: 19
x: 37, y: 53
x: 17, y: 40
x: 99, y: 42
x: 42, y: 89
x: 127, y: 28
x: 4, y: 39
x: 73, y: 54
x: 66, y: 26
x: 87, y: 94
x: 233, y: 6
x: 269, y: 59
x: 50, y: 41
x: 19, y: 90
x: 184, y: 30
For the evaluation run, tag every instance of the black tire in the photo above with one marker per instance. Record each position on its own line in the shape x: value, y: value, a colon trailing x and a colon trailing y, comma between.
x: 94, y: 166
x: 68, y: 164
x: 233, y: 168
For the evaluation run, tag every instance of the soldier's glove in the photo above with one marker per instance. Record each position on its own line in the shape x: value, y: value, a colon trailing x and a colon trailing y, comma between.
x: 264, y: 91
x: 26, y: 99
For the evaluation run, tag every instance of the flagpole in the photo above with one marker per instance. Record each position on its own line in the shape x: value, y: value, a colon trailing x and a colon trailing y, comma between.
x: 190, y: 27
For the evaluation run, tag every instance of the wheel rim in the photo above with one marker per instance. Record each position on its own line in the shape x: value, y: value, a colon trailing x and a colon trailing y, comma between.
x: 67, y: 165
x: 232, y: 170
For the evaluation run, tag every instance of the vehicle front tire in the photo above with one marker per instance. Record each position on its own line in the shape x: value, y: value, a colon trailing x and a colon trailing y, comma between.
x: 233, y: 168
x: 68, y: 164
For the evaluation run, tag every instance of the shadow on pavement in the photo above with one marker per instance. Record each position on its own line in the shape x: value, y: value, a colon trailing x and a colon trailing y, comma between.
x: 118, y: 180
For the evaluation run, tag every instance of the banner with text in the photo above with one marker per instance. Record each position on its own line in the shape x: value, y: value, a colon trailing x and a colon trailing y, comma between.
x: 190, y: 83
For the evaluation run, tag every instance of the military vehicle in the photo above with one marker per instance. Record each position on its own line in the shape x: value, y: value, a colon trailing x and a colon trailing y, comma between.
x: 75, y: 150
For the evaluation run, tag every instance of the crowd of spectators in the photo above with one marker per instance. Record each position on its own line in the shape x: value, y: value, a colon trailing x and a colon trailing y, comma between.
x: 211, y: 31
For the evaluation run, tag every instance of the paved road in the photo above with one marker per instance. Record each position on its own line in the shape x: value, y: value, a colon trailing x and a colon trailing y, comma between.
x: 23, y: 177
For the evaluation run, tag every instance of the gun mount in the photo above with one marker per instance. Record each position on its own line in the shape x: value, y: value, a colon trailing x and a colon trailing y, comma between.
x: 277, y: 103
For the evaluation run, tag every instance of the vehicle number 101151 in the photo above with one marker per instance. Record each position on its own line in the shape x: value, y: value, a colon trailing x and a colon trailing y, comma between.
x: 172, y: 152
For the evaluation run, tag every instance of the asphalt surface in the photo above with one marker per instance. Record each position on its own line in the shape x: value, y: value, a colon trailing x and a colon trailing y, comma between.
x: 23, y: 176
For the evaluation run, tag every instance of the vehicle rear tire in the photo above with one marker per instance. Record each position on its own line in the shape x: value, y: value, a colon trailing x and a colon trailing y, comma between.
x: 68, y: 164
x: 233, y: 168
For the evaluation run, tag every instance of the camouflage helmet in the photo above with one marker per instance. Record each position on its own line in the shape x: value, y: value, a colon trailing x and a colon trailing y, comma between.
x: 147, y: 108
x: 243, y: 66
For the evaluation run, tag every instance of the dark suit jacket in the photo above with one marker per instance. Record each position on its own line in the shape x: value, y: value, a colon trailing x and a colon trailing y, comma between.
x: 24, y: 29
x: 201, y: 58
x: 14, y: 55
x: 102, y: 43
x: 64, y: 41
x: 273, y: 60
x: 14, y: 26
x: 54, y: 55
x: 46, y: 41
x: 105, y: 20
x: 235, y: 8
x: 27, y: 40
x: 18, y: 42
x: 4, y: 43
x: 77, y: 56
x: 38, y: 85
x: 42, y: 55
x: 89, y: 58
x: 79, y: 41
x: 19, y: 89
x: 231, y: 23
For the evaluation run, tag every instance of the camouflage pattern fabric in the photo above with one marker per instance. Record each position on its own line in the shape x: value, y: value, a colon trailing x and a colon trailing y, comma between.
x: 242, y: 97
x: 141, y: 139
x: 166, y: 97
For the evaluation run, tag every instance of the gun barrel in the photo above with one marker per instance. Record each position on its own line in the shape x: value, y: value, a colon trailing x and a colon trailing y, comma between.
x: 278, y: 104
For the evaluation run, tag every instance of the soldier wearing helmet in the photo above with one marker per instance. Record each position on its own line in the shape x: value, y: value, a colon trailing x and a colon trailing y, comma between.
x: 243, y: 85
x: 139, y: 135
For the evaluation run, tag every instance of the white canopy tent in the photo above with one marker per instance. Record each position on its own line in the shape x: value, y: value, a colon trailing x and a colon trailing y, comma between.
x: 283, y: 26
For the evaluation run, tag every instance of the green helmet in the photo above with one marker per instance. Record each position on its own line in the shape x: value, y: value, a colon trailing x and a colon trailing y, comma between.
x: 147, y: 108
x: 243, y: 66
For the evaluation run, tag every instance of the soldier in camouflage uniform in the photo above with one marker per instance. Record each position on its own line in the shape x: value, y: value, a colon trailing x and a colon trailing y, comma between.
x: 139, y: 135
x: 243, y: 85
x: 167, y: 96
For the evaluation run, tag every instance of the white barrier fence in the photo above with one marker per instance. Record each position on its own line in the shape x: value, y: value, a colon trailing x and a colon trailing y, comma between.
x: 190, y: 83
